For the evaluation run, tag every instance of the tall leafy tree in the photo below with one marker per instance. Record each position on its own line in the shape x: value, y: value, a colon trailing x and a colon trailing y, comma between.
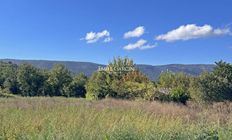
x: 99, y: 86
x: 133, y: 85
x: 77, y: 87
x: 8, y: 79
x: 59, y: 79
x: 214, y: 86
x: 171, y: 80
x: 120, y: 66
x: 30, y: 80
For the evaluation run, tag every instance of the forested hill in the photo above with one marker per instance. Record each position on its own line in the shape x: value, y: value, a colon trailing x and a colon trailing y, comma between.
x: 88, y: 68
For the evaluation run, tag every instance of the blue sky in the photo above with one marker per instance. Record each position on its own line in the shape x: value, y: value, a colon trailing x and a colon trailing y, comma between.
x: 149, y: 31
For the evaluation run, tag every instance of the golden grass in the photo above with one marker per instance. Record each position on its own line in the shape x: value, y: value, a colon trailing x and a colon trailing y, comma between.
x: 69, y: 118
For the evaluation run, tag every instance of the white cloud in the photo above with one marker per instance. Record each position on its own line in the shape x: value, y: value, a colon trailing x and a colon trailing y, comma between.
x: 148, y: 46
x: 92, y: 37
x: 137, y: 32
x: 140, y: 44
x: 108, y: 39
x: 192, y: 31
x: 225, y: 31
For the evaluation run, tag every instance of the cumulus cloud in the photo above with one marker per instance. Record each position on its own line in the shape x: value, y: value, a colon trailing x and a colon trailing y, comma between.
x: 137, y: 32
x: 92, y: 37
x: 192, y: 31
x: 140, y: 44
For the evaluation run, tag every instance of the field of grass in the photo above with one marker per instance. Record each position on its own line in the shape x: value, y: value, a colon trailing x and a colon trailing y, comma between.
x: 62, y: 118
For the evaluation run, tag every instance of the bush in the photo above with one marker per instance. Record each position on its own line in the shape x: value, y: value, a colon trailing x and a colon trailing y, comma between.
x: 31, y: 80
x: 122, y: 83
x: 157, y: 95
x: 179, y: 95
x: 59, y: 78
x: 77, y: 87
x: 132, y: 90
x: 8, y: 77
x: 133, y: 85
x: 174, y: 87
x: 171, y: 80
x: 5, y: 94
x: 99, y: 86
x: 214, y: 86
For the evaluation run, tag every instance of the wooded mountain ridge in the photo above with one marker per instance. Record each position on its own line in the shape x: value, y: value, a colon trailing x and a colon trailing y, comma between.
x: 88, y: 68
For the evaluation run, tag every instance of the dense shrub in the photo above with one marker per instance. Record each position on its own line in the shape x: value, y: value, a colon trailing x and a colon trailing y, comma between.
x: 77, y: 87
x: 156, y: 95
x: 133, y: 85
x: 59, y: 79
x: 121, y: 80
x: 173, y: 87
x: 214, y: 86
x: 8, y: 77
x: 30, y: 80
x: 132, y: 90
x: 124, y: 83
x: 170, y: 80
x: 178, y: 94
x: 99, y: 86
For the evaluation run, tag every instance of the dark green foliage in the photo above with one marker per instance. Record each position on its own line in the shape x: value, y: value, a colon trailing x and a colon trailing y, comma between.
x: 178, y: 94
x: 30, y: 80
x: 77, y: 87
x: 215, y: 86
x: 171, y: 80
x: 175, y: 87
x: 59, y: 79
x: 120, y: 79
x: 8, y: 78
x: 27, y: 80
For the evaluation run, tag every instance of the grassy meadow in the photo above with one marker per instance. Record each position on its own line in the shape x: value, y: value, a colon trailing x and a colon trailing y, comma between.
x: 110, y: 119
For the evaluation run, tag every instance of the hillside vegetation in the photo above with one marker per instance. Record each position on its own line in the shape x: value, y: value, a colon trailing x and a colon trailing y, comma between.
x: 120, y: 79
x: 88, y: 68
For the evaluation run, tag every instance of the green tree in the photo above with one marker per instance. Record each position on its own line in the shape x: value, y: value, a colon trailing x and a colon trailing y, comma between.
x: 214, y: 86
x: 30, y: 80
x: 179, y: 94
x: 133, y: 85
x: 8, y: 79
x: 120, y: 66
x: 77, y: 87
x: 174, y: 86
x: 99, y: 86
x: 59, y: 79
x: 171, y: 80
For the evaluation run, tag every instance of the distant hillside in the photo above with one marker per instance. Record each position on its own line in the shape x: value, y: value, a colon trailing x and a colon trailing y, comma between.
x: 88, y: 68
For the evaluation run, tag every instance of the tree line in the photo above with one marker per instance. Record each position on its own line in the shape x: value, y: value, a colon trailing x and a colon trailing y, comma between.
x: 125, y: 83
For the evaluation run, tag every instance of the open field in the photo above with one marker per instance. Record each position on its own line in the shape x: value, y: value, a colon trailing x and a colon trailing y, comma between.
x: 62, y: 118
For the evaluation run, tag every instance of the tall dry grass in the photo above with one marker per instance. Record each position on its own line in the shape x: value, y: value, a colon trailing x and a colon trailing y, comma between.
x: 69, y: 118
